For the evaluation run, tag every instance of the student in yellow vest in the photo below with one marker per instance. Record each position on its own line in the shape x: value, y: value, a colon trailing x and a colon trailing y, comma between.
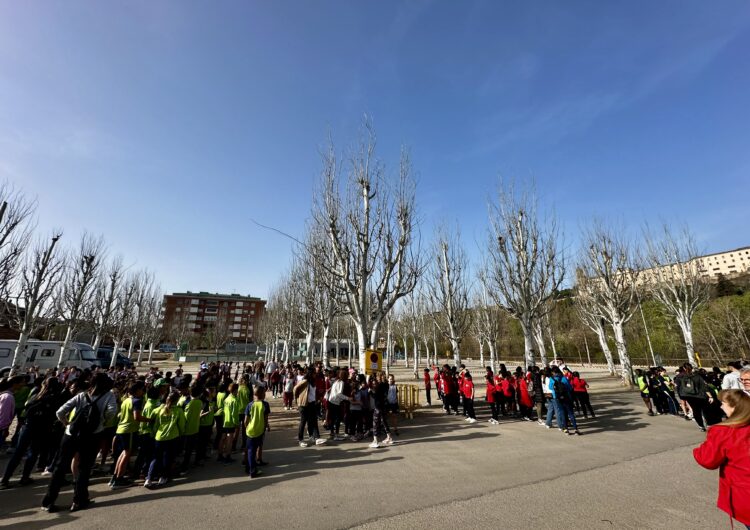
x: 192, y: 409
x: 206, y: 424
x: 221, y: 395
x: 256, y: 424
x: 231, y: 423
x: 640, y: 378
x: 126, y: 435
x: 169, y: 421
x: 244, y: 396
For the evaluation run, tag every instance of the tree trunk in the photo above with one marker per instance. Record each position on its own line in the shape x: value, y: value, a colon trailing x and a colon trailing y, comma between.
x: 324, y: 345
x: 64, y: 346
x: 605, y: 348
x: 528, y: 344
x: 687, y: 335
x: 130, y: 349
x: 416, y: 357
x: 115, y: 349
x: 539, y: 340
x: 140, y: 352
x: 150, y: 352
x: 97, y: 341
x: 361, y: 348
x: 481, y: 353
x: 456, y: 351
x: 622, y: 352
x: 493, y: 355
x: 23, y: 339
x: 308, y: 345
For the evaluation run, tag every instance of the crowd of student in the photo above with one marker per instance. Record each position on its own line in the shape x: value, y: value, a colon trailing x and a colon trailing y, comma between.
x: 553, y: 392
x: 150, y: 427
x: 692, y: 394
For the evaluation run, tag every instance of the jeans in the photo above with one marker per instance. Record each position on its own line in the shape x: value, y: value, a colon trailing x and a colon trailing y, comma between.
x: 145, y: 454
x: 566, y: 414
x: 164, y: 454
x: 86, y: 448
x: 252, y: 452
x: 191, y: 444
x: 28, y: 440
x: 552, y: 411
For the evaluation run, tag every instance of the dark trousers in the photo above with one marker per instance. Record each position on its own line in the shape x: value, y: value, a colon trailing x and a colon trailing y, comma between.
x: 145, y: 454
x: 584, y: 402
x: 86, y: 448
x: 334, y: 418
x: 164, y: 455
x: 450, y: 401
x: 242, y: 433
x: 31, y: 441
x: 469, y: 408
x: 191, y: 444
x: 219, y: 426
x: 495, y: 410
x: 354, y: 422
x: 252, y: 449
x: 428, y: 394
x: 204, y: 438
x: 379, y: 420
x: 697, y: 405
x: 308, y: 416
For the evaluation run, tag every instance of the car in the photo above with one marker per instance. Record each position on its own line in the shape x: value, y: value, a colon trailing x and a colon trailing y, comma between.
x: 104, y: 358
x: 167, y: 348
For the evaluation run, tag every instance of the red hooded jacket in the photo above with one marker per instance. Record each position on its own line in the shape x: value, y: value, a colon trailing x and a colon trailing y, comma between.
x: 728, y: 448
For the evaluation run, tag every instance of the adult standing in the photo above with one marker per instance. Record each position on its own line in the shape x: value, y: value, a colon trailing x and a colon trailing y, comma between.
x: 732, y: 379
x: 745, y: 379
x: 93, y: 408
x: 695, y: 391
x: 305, y: 397
x: 727, y: 447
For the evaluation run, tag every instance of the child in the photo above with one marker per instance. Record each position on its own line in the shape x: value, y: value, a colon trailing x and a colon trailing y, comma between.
x: 289, y: 381
x: 193, y: 410
x: 169, y: 423
x: 231, y: 422
x: 256, y: 424
x: 427, y: 386
x: 581, y: 394
x: 126, y: 437
x: 392, y: 406
x: 468, y: 393
x: 490, y: 398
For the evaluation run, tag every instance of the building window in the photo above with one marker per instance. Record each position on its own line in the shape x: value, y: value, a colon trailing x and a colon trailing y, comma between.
x: 212, y: 310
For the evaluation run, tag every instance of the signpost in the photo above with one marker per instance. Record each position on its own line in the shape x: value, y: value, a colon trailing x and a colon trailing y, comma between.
x: 374, y: 361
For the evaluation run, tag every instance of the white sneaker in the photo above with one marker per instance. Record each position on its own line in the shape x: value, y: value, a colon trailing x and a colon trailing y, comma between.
x: 320, y: 441
x: 472, y: 420
x: 162, y: 481
x: 303, y: 444
x: 374, y: 445
x: 388, y: 441
x: 46, y: 473
x: 148, y: 483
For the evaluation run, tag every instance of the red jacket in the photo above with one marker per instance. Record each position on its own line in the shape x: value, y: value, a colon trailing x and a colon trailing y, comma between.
x: 728, y: 448
x: 490, y: 395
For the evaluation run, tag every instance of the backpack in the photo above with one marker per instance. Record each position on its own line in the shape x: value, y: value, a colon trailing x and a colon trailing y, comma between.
x: 40, y: 411
x: 689, y: 388
x: 561, y: 391
x: 86, y: 420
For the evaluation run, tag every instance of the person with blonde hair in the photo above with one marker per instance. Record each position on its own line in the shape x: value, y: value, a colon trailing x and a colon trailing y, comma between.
x: 727, y: 447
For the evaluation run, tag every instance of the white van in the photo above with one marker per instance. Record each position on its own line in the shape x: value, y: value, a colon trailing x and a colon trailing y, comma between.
x: 45, y: 354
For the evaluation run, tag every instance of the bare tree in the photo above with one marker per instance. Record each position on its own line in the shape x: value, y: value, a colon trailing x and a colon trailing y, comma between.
x: 78, y: 281
x: 592, y: 316
x: 304, y: 283
x: 31, y: 304
x: 326, y: 299
x: 371, y: 225
x: 152, y: 322
x: 181, y: 326
x: 607, y: 277
x: 105, y: 297
x: 219, y: 331
x: 448, y: 284
x: 122, y: 315
x: 15, y: 233
x: 526, y: 266
x: 675, y: 278
x: 487, y: 316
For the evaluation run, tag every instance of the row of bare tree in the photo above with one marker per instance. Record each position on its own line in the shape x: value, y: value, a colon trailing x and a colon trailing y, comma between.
x: 44, y: 284
x: 362, y: 260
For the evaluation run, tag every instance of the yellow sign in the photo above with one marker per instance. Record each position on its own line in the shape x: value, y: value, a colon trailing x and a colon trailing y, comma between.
x: 373, y: 361
x: 698, y: 359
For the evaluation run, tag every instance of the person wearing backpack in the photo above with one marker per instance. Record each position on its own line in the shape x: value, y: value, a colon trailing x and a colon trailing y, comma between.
x: 562, y: 399
x: 40, y: 414
x: 693, y: 389
x: 91, y: 409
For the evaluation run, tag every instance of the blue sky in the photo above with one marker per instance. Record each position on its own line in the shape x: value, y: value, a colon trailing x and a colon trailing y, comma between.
x: 167, y: 126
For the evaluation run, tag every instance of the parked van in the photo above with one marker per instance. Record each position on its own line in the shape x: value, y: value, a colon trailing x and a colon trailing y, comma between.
x: 45, y: 354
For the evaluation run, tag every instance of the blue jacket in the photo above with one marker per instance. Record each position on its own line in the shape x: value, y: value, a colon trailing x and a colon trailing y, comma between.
x: 551, y: 384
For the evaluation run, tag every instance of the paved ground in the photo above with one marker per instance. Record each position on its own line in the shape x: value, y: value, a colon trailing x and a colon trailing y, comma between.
x: 628, y: 470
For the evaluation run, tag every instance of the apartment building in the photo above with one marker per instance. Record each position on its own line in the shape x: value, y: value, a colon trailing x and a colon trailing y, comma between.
x: 730, y: 263
x: 199, y: 312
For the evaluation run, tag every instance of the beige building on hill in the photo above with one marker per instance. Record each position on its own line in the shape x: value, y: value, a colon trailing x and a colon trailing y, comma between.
x: 730, y: 263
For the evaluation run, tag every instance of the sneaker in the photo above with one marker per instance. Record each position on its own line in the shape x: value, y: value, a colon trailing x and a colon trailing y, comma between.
x: 4, y: 485
x: 162, y: 481
x: 339, y: 438
x: 472, y: 420
x: 149, y: 484
x: 320, y: 441
x: 47, y: 473
x: 50, y: 508
x: 577, y: 432
x: 256, y: 474
x: 303, y: 444
x: 388, y: 441
x: 547, y: 426
x: 703, y: 429
x: 374, y: 445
